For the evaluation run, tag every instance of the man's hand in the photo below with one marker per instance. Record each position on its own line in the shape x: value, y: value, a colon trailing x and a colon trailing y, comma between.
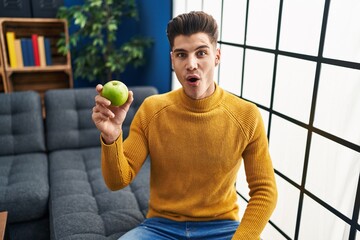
x: 109, y: 119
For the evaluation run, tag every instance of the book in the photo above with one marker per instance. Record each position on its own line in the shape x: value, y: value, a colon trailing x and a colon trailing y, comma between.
x: 48, y: 51
x: 34, y: 38
x: 41, y: 46
x: 18, y: 52
x: 25, y: 53
x: 30, y: 48
x: 10, y: 39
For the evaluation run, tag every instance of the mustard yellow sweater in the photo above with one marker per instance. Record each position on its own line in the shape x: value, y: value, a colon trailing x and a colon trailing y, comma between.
x: 196, y: 148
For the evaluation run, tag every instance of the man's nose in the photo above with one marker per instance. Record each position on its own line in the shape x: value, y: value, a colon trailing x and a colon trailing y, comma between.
x: 192, y: 63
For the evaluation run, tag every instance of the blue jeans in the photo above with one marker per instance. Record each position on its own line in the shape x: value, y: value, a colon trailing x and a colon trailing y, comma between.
x: 165, y: 229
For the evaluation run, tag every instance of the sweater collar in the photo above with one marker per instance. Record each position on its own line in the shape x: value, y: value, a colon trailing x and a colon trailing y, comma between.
x: 204, y: 104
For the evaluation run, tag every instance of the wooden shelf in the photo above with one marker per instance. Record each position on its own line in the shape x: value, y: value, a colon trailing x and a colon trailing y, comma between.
x: 34, y: 69
x: 3, y: 82
x: 39, y: 68
x: 57, y: 75
x: 3, y: 219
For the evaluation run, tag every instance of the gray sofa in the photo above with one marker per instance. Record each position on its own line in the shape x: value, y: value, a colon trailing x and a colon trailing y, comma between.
x: 50, y: 171
x: 24, y: 181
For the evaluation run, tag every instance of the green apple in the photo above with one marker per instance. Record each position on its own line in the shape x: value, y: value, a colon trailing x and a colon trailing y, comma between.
x: 115, y: 91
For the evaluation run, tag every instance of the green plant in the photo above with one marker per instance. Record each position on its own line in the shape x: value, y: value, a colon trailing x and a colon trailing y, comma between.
x: 93, y: 43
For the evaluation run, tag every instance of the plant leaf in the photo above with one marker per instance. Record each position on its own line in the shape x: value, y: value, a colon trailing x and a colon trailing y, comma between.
x: 96, y: 53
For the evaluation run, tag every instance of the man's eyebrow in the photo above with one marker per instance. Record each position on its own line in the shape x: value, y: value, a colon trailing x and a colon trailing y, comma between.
x: 183, y: 50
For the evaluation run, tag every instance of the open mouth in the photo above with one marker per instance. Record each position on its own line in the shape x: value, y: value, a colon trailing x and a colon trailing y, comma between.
x: 192, y: 78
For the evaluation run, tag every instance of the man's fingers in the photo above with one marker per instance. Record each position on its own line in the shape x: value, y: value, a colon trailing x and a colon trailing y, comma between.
x: 99, y: 100
x: 130, y: 99
x: 103, y: 112
x: 99, y: 88
x: 98, y: 117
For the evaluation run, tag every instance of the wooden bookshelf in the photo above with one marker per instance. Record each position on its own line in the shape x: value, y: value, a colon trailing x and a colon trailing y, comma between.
x: 3, y: 219
x: 3, y: 82
x: 38, y: 78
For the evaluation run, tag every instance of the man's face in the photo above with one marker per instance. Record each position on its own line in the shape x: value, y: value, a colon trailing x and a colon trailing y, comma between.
x: 194, y: 59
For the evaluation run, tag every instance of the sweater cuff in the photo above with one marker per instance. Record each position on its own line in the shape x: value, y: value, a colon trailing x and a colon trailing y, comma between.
x: 111, y: 144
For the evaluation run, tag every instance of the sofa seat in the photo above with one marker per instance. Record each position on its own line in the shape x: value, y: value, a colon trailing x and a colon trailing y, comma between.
x: 24, y: 187
x: 82, y: 205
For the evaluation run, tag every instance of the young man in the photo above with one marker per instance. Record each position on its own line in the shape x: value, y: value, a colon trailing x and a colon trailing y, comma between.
x: 197, y: 138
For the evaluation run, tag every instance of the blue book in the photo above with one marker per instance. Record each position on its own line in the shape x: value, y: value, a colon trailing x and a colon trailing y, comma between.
x: 25, y: 53
x: 47, y: 52
x: 30, y: 51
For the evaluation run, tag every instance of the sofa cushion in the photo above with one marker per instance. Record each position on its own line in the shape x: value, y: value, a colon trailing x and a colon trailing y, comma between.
x: 18, y: 111
x: 24, y: 186
x: 68, y: 117
x: 82, y: 205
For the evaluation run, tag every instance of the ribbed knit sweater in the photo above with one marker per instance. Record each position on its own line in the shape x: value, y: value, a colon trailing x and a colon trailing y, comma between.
x: 196, y: 149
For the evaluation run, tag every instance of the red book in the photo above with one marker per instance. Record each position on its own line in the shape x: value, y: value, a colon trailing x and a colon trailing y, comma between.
x: 34, y: 38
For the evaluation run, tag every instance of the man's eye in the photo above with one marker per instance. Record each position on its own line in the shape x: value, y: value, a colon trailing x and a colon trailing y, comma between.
x: 201, y: 53
x: 181, y: 55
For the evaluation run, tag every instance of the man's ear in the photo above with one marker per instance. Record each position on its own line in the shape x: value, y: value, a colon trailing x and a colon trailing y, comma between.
x: 217, y: 56
x: 172, y: 60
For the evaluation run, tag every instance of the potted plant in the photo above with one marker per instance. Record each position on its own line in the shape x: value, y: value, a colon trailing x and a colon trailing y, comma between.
x: 96, y: 24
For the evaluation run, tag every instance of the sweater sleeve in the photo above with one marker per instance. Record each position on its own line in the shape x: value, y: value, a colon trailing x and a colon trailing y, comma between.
x: 261, y: 181
x: 115, y: 169
x: 122, y: 160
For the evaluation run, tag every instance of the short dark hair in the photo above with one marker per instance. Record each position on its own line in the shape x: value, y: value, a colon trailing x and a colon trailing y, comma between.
x: 190, y: 23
